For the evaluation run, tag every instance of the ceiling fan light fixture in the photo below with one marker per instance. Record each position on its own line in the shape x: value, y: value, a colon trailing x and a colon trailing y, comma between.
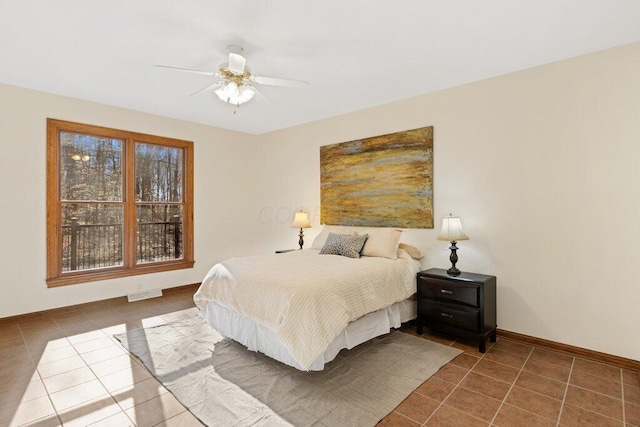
x: 227, y: 91
x: 234, y: 94
x: 245, y: 93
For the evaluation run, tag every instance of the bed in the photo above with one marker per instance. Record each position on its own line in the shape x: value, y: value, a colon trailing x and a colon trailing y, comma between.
x: 302, y: 307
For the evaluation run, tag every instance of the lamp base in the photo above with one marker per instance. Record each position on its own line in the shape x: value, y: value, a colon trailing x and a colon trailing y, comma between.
x: 453, y: 271
x: 301, y: 240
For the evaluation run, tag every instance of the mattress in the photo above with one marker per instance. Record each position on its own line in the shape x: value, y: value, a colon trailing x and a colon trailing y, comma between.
x: 260, y: 338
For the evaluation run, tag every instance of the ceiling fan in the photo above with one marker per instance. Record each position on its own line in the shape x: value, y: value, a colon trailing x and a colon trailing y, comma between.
x: 238, y: 84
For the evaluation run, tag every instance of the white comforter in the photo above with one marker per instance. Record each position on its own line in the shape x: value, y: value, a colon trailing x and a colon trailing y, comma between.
x: 305, y: 297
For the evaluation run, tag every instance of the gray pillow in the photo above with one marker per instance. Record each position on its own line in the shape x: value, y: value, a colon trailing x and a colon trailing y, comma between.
x: 344, y: 244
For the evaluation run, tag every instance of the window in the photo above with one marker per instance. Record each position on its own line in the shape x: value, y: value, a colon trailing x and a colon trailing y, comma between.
x: 118, y: 203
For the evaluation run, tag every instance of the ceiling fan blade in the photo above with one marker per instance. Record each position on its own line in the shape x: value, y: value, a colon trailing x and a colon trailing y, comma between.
x: 236, y: 63
x: 260, y: 94
x: 278, y: 82
x: 220, y: 83
x: 188, y: 70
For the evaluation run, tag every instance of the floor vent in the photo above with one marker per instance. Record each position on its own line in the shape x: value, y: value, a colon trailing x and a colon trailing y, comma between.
x: 153, y: 293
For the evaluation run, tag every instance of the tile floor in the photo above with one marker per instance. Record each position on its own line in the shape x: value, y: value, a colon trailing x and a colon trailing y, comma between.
x: 65, y: 368
x: 515, y: 384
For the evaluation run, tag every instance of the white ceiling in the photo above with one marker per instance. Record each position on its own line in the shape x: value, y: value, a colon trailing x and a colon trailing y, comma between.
x: 354, y: 53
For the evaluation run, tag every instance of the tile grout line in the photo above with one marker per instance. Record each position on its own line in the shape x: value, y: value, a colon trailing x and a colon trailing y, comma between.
x: 35, y: 370
x: 621, y: 383
x: 618, y: 420
x: 87, y: 365
x: 566, y: 390
x: 513, y: 384
x: 402, y: 415
x: 66, y: 388
x: 111, y: 394
x: 64, y: 334
x: 458, y: 383
x: 595, y: 391
x: 186, y: 410
x: 514, y: 381
x: 499, y: 363
x: 585, y: 358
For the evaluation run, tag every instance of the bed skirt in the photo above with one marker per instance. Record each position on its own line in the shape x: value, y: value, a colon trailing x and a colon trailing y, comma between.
x: 258, y: 337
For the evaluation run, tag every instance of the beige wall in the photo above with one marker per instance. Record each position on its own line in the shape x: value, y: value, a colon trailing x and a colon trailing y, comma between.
x: 224, y: 215
x: 540, y: 164
x: 542, y: 167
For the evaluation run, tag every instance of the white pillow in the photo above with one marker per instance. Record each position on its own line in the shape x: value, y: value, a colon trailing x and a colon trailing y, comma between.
x: 382, y: 242
x: 411, y: 250
x: 321, y: 238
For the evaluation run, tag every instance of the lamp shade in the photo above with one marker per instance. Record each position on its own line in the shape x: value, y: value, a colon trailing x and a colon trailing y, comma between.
x: 452, y: 229
x: 301, y: 220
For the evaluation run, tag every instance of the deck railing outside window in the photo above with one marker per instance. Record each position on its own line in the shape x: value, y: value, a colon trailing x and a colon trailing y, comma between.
x: 89, y: 246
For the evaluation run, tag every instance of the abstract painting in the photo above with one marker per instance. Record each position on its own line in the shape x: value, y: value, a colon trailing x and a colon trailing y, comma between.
x: 383, y: 181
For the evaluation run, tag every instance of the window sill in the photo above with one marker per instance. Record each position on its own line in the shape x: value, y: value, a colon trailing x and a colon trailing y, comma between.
x: 74, y: 278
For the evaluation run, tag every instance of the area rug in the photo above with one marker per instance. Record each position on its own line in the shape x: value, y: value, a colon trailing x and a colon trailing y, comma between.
x: 224, y: 384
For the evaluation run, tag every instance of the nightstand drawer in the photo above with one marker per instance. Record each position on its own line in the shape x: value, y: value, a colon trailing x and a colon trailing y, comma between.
x: 445, y: 314
x: 449, y: 291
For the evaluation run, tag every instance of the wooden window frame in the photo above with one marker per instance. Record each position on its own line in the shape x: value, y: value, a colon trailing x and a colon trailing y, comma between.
x: 55, y: 275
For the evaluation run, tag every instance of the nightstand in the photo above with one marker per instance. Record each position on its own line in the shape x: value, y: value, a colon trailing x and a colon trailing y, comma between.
x: 463, y: 305
x: 284, y: 251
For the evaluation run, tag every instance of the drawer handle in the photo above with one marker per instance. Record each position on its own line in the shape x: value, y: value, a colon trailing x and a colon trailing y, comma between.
x: 447, y: 315
x: 446, y: 291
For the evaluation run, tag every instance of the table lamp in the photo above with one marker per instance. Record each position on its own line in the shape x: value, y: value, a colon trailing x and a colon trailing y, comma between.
x: 452, y: 232
x: 301, y: 221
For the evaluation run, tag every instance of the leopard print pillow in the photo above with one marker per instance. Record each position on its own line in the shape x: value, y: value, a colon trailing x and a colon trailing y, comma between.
x: 344, y: 244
